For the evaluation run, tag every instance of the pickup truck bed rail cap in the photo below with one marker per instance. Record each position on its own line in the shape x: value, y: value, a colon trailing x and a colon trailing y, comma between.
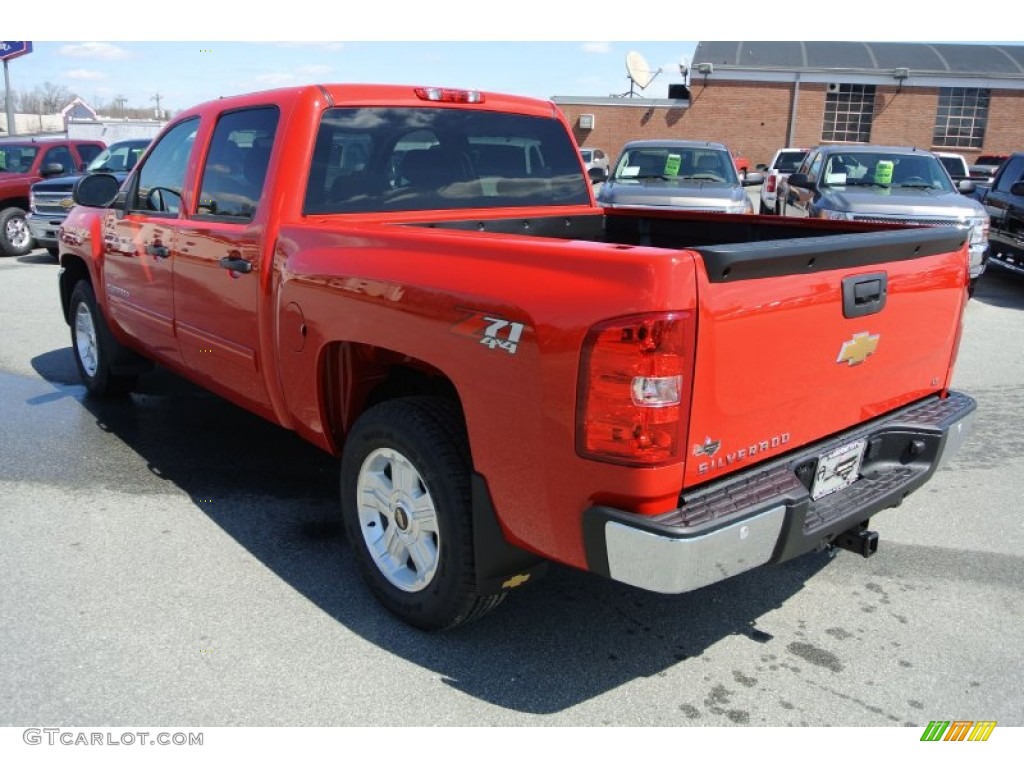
x: 748, y: 261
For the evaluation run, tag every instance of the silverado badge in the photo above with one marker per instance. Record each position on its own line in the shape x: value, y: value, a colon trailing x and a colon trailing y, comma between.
x: 858, y: 349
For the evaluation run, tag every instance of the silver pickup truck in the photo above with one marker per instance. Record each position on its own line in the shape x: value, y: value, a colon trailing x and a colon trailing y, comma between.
x: 901, y: 185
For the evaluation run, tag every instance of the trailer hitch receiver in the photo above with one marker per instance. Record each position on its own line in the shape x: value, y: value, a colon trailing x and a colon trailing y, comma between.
x: 859, y: 540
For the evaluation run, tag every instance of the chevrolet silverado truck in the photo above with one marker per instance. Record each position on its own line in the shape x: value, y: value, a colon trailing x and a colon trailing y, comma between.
x: 419, y: 281
x: 903, y: 185
x: 50, y: 199
x: 23, y: 162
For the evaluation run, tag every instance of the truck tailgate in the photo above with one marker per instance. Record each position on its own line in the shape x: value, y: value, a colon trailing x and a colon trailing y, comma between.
x: 800, y: 340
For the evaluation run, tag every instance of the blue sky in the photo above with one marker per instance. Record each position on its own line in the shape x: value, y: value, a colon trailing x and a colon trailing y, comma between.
x: 189, y: 73
x: 517, y: 47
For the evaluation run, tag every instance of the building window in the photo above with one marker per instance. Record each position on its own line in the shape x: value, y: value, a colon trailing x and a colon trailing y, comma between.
x: 961, y: 117
x: 849, y: 109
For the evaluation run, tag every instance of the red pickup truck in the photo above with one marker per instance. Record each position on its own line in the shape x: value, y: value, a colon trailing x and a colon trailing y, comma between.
x: 23, y: 162
x: 418, y: 281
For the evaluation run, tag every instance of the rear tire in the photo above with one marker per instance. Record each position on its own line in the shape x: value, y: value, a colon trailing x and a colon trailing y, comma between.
x: 95, y: 348
x: 405, y: 502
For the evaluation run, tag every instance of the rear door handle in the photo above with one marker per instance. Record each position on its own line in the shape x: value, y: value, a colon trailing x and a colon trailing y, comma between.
x: 236, y: 264
x: 865, y: 294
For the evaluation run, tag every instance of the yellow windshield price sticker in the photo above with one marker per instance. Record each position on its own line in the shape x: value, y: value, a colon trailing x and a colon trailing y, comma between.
x: 672, y: 164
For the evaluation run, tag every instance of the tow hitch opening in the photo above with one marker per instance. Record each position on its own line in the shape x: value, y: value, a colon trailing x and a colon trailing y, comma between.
x: 858, y: 540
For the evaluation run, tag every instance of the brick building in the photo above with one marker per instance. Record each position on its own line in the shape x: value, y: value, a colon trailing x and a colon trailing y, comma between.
x: 757, y: 97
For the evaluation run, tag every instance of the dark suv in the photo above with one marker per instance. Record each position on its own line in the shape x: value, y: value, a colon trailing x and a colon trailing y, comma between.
x: 50, y: 200
x: 1004, y: 202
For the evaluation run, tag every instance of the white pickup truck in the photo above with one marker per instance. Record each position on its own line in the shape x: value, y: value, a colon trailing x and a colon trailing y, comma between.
x: 786, y: 161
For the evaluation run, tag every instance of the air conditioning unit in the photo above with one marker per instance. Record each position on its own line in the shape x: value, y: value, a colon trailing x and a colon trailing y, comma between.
x: 587, y: 122
x: 833, y: 87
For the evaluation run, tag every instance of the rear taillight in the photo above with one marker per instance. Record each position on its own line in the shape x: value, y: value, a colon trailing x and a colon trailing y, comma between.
x: 770, y: 186
x: 634, y: 389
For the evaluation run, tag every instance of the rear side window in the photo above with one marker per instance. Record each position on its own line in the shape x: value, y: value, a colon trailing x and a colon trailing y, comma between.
x: 392, y: 159
x: 88, y: 152
x: 236, y: 165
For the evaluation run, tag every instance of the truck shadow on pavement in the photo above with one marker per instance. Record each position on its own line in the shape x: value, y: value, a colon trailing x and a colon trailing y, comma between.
x: 552, y: 645
x: 1000, y: 289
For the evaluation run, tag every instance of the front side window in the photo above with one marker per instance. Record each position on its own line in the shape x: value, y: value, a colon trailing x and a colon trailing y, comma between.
x: 236, y: 164
x: 401, y: 159
x: 961, y: 117
x: 1013, y: 173
x: 849, y: 110
x: 60, y: 155
x: 161, y: 179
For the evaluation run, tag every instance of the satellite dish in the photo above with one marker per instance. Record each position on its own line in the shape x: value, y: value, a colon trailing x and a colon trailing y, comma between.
x: 639, y: 71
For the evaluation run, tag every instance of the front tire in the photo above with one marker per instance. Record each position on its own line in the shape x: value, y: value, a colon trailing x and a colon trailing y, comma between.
x: 95, y: 348
x: 405, y: 502
x: 15, y: 236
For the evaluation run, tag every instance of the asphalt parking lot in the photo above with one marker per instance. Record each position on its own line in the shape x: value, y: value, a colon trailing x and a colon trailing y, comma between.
x: 170, y: 558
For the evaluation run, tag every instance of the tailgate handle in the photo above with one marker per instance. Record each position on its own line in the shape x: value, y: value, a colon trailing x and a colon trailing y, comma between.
x: 865, y: 294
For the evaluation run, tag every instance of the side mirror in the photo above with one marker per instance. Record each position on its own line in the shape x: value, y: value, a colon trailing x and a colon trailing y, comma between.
x: 51, y: 169
x: 799, y: 180
x: 966, y: 186
x: 761, y: 167
x: 97, y: 190
x: 597, y: 175
x: 1017, y: 189
x: 752, y: 179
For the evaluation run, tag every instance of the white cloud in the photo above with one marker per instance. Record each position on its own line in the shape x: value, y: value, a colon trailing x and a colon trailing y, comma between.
x: 597, y: 47
x: 85, y: 74
x: 275, y: 78
x: 106, y: 51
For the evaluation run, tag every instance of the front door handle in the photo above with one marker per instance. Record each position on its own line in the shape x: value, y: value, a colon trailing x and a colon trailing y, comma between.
x: 236, y: 264
x: 159, y: 251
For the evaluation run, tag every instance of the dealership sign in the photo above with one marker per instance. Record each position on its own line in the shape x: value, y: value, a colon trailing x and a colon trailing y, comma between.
x: 12, y: 49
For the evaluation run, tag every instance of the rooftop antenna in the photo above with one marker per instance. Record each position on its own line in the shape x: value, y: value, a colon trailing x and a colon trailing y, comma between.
x: 640, y: 74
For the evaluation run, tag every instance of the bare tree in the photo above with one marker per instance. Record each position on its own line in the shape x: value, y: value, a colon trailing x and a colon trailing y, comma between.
x: 44, y: 99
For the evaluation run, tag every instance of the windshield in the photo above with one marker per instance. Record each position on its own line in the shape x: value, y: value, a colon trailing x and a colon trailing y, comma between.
x: 394, y: 159
x: 885, y: 170
x: 17, y: 158
x: 676, y: 164
x: 117, y: 157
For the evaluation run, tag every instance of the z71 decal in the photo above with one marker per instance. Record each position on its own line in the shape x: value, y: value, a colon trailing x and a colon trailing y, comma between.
x: 491, y: 331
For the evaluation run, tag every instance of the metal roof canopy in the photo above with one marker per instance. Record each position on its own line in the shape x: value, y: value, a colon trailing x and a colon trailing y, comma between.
x: 948, y: 59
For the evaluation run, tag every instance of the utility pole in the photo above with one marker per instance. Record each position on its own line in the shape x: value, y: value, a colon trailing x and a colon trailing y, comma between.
x: 156, y: 97
x: 120, y: 100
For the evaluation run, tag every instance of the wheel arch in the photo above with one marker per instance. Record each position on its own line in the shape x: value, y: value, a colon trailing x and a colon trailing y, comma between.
x: 355, y: 377
x: 72, y: 270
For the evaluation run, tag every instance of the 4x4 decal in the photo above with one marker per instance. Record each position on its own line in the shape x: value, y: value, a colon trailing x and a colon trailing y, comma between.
x: 491, y: 331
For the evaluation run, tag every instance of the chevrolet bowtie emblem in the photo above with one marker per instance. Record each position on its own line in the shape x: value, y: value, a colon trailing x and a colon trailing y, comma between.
x: 67, y: 202
x: 858, y: 349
